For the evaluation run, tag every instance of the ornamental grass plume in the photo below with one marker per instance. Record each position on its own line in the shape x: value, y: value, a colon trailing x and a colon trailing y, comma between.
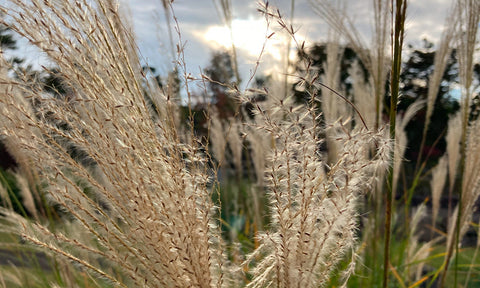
x: 440, y: 62
x: 150, y: 215
x: 418, y: 250
x: 454, y: 135
x: 333, y: 107
x: 437, y: 185
x: 401, y: 138
x: 374, y: 59
x: 363, y: 96
x: 135, y: 201
x: 471, y: 177
x: 218, y: 138
x: 468, y: 19
x: 313, y: 216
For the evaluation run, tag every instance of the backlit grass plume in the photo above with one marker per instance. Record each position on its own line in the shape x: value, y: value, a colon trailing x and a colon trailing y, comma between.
x: 136, y: 200
x: 107, y: 164
x: 314, y: 218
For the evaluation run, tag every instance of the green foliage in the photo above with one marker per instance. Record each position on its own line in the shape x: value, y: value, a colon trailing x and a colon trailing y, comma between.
x: 221, y: 76
x: 9, y: 183
x: 6, y: 39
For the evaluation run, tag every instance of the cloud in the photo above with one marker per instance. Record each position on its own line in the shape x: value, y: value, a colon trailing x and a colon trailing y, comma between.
x: 203, y: 31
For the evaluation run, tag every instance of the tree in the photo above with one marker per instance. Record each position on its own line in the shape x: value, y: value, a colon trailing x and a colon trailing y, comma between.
x: 6, y: 39
x: 316, y: 58
x: 417, y: 69
x: 415, y: 78
x: 221, y: 75
x: 8, y: 42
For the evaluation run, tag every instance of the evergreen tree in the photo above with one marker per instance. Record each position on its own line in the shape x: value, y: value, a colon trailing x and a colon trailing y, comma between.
x: 222, y: 75
x: 6, y: 39
x: 316, y: 57
x: 417, y: 69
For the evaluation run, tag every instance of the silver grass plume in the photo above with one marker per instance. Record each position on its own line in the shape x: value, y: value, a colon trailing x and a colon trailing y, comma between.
x: 147, y: 207
x: 313, y: 206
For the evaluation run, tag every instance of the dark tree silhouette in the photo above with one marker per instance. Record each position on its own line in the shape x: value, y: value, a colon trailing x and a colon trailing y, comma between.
x: 417, y: 70
x: 221, y: 73
x: 6, y: 39
x: 315, y: 57
x: 7, y: 42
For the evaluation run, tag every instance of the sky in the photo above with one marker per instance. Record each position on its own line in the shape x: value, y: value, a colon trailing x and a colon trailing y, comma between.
x: 203, y: 31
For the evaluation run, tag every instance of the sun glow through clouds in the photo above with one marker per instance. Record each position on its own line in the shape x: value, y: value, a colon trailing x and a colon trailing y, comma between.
x: 249, y: 36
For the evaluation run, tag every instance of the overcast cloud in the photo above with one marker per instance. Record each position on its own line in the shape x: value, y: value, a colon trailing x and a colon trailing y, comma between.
x: 200, y: 26
x: 196, y: 17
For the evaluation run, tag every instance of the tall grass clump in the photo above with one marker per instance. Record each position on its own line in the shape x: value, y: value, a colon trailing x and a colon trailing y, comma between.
x: 142, y: 198
x: 468, y: 17
x: 459, y: 34
x: 134, y: 192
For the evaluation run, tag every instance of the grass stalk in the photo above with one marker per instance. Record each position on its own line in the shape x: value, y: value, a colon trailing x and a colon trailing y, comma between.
x: 381, y: 28
x: 287, y: 50
x: 468, y: 15
x: 474, y: 257
x: 440, y: 63
x: 398, y: 29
